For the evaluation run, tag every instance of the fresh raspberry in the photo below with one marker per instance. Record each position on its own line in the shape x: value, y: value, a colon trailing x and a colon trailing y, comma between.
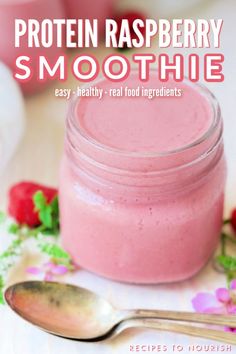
x: 233, y: 220
x: 21, y: 206
x: 130, y: 16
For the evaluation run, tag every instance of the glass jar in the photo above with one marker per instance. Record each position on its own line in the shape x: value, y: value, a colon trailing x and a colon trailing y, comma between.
x: 142, y: 217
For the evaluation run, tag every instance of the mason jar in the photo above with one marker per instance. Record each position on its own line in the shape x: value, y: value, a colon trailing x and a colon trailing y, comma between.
x: 142, y: 180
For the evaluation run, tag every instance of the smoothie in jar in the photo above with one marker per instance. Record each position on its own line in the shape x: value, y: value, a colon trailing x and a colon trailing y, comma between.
x: 142, y: 181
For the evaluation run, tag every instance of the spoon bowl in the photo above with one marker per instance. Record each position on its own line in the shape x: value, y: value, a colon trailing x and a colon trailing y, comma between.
x: 62, y: 309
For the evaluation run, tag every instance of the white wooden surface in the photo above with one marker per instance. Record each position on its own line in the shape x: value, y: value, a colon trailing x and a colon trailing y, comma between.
x: 38, y: 159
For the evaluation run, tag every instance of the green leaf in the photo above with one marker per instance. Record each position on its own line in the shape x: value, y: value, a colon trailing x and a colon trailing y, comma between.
x: 3, y: 217
x: 12, y: 250
x: 1, y: 282
x: 39, y: 200
x: 227, y: 262
x: 55, y: 216
x: 45, y: 211
x: 16, y: 243
x: 14, y: 229
x: 6, y: 254
x: 2, y: 301
x: 48, y: 232
x: 1, y: 290
x: 48, y: 213
x: 45, y: 216
x: 55, y: 206
x: 54, y: 251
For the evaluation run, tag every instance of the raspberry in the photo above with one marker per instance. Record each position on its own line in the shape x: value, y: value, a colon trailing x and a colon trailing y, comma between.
x: 130, y: 16
x: 21, y: 206
x: 233, y: 220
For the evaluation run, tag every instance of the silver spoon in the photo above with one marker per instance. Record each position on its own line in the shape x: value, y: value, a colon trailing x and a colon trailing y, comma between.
x: 76, y: 313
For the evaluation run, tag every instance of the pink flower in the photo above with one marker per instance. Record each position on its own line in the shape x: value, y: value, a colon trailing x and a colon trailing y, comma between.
x: 49, y: 270
x: 222, y: 302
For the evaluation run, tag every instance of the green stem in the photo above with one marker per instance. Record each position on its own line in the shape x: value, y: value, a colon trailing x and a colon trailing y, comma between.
x: 226, y: 221
x: 230, y: 238
x: 223, y: 243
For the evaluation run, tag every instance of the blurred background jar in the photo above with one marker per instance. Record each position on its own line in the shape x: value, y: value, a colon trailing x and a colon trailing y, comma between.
x: 27, y: 9
x: 91, y: 9
x: 160, y: 8
x: 12, y: 115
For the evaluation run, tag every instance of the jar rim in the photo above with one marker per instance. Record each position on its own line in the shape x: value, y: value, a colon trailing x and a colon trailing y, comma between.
x: 213, y: 102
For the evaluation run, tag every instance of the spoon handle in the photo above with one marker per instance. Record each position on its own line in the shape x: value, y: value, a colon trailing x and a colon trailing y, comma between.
x: 207, y: 333
x: 214, y: 319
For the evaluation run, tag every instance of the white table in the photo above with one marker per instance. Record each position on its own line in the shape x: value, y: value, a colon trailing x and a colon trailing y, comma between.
x: 38, y: 159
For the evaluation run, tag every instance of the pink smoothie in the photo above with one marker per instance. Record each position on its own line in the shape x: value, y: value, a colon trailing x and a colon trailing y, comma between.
x: 135, y: 124
x: 142, y: 183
